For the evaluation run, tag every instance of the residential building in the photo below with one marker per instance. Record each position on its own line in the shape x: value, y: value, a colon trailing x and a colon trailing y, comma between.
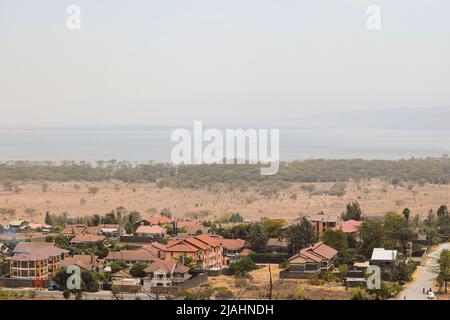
x: 190, y: 228
x: 84, y: 261
x: 86, y: 239
x: 165, y: 273
x: 153, y: 231
x: 320, y: 222
x: 18, y: 225
x: 40, y: 227
x: 110, y: 230
x: 74, y: 229
x: 151, y: 221
x: 278, y: 244
x: 385, y: 259
x: 130, y: 257
x: 232, y: 247
x: 316, y: 258
x: 35, y: 262
x: 122, y: 281
x: 203, y: 250
x: 350, y: 226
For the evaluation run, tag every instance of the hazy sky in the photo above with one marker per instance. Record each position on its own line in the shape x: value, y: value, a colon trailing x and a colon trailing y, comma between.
x: 224, y: 62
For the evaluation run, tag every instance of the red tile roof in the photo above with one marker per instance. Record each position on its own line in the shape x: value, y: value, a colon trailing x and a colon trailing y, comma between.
x: 350, y: 226
x: 87, y: 238
x: 208, y: 240
x: 132, y: 255
x: 158, y: 220
x: 154, y: 229
x: 233, y: 244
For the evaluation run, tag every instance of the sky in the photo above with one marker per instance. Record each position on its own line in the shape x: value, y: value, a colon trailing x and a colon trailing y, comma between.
x: 225, y: 62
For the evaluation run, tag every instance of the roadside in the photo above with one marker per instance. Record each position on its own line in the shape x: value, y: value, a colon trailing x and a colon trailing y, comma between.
x: 424, y: 276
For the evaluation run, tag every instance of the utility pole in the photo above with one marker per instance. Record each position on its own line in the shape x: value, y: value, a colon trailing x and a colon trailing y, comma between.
x: 270, y: 283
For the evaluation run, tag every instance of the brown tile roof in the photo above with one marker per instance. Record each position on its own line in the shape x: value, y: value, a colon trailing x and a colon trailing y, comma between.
x: 39, y: 253
x: 87, y: 238
x: 167, y: 266
x: 196, y: 243
x: 84, y: 261
x: 350, y: 226
x: 74, y: 229
x: 182, y: 247
x: 246, y: 252
x: 208, y: 240
x: 232, y: 244
x: 317, y: 252
x: 92, y: 230
x: 155, y: 229
x: 158, y: 220
x: 29, y: 247
x: 278, y: 242
x: 132, y: 255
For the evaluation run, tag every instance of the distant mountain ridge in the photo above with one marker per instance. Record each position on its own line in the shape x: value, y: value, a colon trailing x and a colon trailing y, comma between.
x: 434, y: 118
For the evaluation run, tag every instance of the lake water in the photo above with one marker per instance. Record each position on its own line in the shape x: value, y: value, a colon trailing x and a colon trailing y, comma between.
x: 142, y: 145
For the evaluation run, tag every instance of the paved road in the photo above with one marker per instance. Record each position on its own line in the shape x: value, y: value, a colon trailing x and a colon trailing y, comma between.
x: 427, y: 274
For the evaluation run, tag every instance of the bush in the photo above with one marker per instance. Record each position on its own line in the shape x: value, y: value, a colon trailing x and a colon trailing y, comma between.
x: 359, y: 294
x: 223, y: 293
x: 242, y: 266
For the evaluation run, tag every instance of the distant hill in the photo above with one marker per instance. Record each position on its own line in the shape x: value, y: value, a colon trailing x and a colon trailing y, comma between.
x: 435, y: 118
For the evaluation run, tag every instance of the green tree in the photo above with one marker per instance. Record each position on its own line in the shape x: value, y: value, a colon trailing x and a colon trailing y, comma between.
x: 353, y: 212
x: 301, y: 235
x: 243, y: 266
x: 406, y: 214
x: 137, y: 269
x: 117, y: 265
x: 257, y: 236
x: 444, y: 267
x: 372, y: 234
x: 273, y: 227
x: 48, y: 218
x: 336, y: 239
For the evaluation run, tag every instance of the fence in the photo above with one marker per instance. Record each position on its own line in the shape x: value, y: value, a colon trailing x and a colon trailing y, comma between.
x: 23, y: 283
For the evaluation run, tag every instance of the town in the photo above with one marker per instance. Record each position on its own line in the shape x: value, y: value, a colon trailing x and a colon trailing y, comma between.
x: 122, y: 255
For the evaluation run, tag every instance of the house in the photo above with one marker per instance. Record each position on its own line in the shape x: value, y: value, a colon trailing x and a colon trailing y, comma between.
x: 165, y: 273
x: 35, y: 261
x: 153, y: 231
x: 278, y: 244
x: 40, y: 227
x: 18, y: 225
x: 4, y: 251
x: 232, y: 247
x: 122, y: 281
x: 86, y: 239
x: 191, y: 228
x: 110, y: 230
x: 74, y: 229
x: 385, y: 259
x: 157, y: 249
x: 320, y: 222
x: 130, y: 257
x: 152, y: 221
x: 350, y: 226
x: 203, y: 250
x: 84, y: 261
x: 316, y: 258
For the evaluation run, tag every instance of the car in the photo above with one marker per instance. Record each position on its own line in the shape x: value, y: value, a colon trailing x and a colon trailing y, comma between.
x: 431, y: 295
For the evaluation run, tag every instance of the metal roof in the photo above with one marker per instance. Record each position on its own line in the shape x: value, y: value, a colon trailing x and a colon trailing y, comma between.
x: 383, y: 254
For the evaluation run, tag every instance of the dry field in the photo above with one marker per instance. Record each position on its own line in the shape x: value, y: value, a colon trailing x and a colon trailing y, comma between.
x: 376, y: 198
x: 257, y: 286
